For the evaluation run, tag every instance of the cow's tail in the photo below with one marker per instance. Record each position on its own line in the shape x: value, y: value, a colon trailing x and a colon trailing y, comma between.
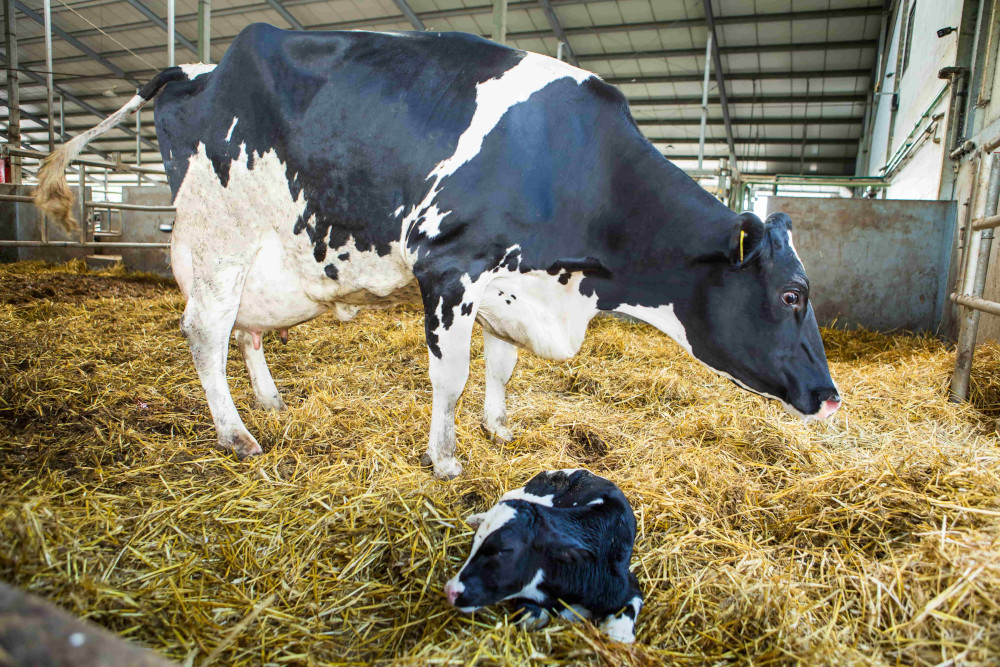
x: 52, y: 194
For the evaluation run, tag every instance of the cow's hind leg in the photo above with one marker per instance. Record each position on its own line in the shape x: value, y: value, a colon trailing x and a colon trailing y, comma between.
x: 501, y: 357
x: 207, y: 324
x: 264, y: 388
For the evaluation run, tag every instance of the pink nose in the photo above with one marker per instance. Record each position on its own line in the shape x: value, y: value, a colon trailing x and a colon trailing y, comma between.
x: 829, y: 407
x: 450, y: 592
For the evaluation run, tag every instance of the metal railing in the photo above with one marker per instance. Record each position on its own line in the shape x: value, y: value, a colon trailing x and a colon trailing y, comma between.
x: 86, y: 206
x: 978, y: 244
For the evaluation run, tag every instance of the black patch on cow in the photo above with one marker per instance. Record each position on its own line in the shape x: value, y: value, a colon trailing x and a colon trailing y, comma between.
x: 331, y: 271
x: 564, y: 278
x: 466, y: 308
x: 343, y: 257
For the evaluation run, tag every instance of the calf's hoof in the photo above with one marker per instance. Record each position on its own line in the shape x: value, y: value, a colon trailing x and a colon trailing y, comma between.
x: 242, y: 444
x: 531, y: 617
x: 444, y: 469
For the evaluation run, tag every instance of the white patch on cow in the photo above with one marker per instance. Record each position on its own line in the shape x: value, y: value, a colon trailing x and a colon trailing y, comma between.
x: 493, y: 99
x: 194, y: 70
x: 521, y: 494
x: 661, y: 317
x: 77, y: 639
x: 535, y: 311
x: 575, y: 613
x: 229, y: 134
x: 596, y: 501
x: 621, y: 628
x: 396, y: 213
x: 493, y: 520
x: 531, y: 590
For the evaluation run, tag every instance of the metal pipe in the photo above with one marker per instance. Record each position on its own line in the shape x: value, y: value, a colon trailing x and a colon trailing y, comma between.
x: 986, y: 223
x: 47, y: 14
x: 721, y: 83
x: 970, y: 324
x: 982, y: 305
x: 704, y: 100
x: 130, y: 207
x: 82, y: 196
x: 122, y: 166
x: 205, y: 31
x: 171, y: 15
x: 992, y: 144
x: 13, y: 89
x: 76, y: 244
x: 499, y: 21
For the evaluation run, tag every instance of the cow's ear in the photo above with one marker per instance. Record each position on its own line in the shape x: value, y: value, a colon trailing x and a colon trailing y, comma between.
x: 563, y: 546
x: 475, y: 519
x: 746, y: 239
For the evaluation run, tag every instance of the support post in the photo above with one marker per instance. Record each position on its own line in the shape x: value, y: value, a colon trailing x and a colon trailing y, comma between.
x: 721, y: 82
x: 204, y: 31
x: 171, y: 16
x: 138, y: 144
x: 704, y: 101
x: 970, y: 319
x: 48, y: 72
x: 82, y: 195
x: 13, y: 89
x: 499, y: 21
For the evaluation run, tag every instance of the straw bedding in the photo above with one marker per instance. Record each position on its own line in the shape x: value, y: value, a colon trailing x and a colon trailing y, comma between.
x: 874, y: 539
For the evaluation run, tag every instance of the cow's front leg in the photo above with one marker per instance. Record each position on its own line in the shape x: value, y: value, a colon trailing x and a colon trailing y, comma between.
x: 501, y: 357
x: 449, y: 337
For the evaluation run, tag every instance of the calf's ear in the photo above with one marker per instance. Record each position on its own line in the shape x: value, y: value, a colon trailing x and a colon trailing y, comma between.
x: 745, y: 239
x: 563, y: 547
x: 475, y: 519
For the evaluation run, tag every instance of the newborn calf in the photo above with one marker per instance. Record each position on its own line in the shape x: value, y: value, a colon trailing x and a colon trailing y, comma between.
x: 559, y: 545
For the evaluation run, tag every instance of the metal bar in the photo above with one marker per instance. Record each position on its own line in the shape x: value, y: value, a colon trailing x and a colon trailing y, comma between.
x: 558, y: 31
x: 720, y: 80
x: 731, y: 50
x: 795, y: 179
x: 410, y: 15
x: 742, y: 76
x: 499, y: 33
x: 836, y: 98
x: 171, y: 36
x: 982, y: 305
x: 285, y: 14
x: 785, y: 120
x: 158, y: 22
x: 986, y: 223
x: 77, y: 44
x: 525, y: 5
x: 130, y: 207
x: 992, y: 144
x: 79, y: 244
x: 47, y: 11
x: 82, y: 199
x: 704, y: 100
x: 13, y: 90
x: 91, y: 163
x: 204, y: 31
x: 970, y: 324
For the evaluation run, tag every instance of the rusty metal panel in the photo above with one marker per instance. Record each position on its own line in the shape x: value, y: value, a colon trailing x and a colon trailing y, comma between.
x: 878, y: 264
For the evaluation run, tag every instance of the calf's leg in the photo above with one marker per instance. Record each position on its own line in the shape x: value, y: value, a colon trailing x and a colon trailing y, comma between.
x: 501, y: 357
x: 264, y: 388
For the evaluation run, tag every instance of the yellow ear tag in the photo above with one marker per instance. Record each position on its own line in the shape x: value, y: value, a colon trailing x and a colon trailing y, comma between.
x: 742, y: 234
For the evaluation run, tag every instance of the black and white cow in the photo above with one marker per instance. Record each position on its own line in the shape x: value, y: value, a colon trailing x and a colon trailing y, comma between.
x: 332, y: 171
x: 559, y: 545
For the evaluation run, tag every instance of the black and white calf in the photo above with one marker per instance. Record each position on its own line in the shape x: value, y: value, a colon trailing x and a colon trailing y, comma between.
x: 560, y: 545
x: 319, y: 172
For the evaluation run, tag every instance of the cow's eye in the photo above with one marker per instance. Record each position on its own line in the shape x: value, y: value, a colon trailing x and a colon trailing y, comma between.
x: 488, y: 550
x: 792, y: 299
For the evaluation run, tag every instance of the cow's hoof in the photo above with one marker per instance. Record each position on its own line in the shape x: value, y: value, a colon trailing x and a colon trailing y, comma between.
x: 498, y: 432
x: 274, y: 404
x: 241, y: 444
x: 447, y: 469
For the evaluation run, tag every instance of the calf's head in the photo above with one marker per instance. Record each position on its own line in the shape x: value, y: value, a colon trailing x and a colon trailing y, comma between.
x: 751, y: 319
x: 514, y: 546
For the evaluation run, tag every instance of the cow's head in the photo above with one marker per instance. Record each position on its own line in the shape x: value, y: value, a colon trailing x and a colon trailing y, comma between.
x: 515, y: 544
x: 750, y: 318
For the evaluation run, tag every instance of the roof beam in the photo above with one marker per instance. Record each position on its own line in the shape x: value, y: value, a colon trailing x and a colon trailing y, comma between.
x: 162, y: 25
x: 743, y: 76
x: 558, y: 31
x: 524, y: 5
x: 770, y: 158
x: 80, y: 46
x: 410, y: 15
x: 721, y: 83
x: 586, y: 57
x: 835, y: 120
x: 285, y: 14
x: 724, y: 100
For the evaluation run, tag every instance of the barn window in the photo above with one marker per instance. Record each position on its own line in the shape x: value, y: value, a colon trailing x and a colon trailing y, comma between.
x: 909, y: 36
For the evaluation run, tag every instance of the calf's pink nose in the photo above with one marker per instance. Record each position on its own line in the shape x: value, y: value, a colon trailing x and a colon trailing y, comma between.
x: 450, y: 592
x: 829, y: 407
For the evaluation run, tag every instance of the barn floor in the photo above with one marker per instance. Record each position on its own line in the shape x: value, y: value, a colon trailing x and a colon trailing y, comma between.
x: 871, y: 540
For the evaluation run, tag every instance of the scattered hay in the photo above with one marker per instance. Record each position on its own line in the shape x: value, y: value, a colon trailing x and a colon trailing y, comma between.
x: 872, y: 540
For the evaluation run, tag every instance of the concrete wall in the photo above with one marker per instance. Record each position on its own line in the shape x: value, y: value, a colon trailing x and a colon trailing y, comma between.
x: 880, y: 264
x: 23, y: 222
x: 144, y: 227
